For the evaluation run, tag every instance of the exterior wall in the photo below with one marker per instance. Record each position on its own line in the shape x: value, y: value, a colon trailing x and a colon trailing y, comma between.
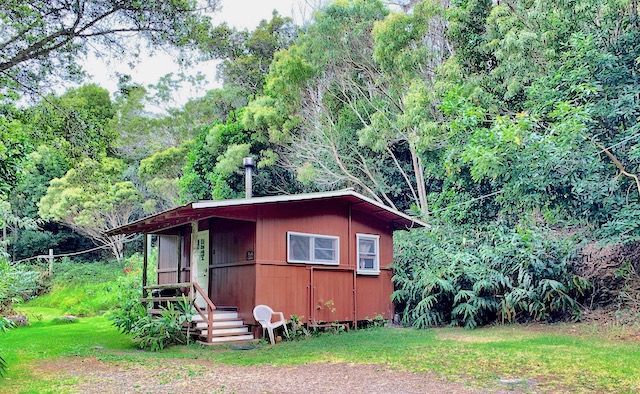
x: 373, y: 293
x: 314, y: 217
x: 168, y: 255
x: 316, y: 292
x: 232, y: 241
x: 232, y: 272
x: 332, y: 294
x: 283, y: 288
x: 234, y: 286
x: 185, y: 258
x: 365, y: 224
x: 321, y: 292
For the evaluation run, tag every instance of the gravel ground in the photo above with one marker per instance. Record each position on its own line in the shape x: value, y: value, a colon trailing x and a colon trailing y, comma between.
x: 190, y: 376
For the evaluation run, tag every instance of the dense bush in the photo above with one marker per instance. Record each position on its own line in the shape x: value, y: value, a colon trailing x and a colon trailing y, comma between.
x: 156, y: 333
x: 131, y: 318
x: 128, y: 308
x: 18, y: 284
x: 472, y: 278
x: 149, y: 332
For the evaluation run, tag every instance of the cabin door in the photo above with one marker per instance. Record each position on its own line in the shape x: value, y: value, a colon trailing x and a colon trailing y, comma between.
x: 201, y: 269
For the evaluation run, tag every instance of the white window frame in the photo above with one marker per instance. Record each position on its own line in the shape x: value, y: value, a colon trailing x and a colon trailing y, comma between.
x: 376, y: 263
x: 312, y: 259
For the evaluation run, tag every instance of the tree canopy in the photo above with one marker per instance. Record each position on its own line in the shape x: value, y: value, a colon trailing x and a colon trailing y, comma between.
x: 43, y: 40
x: 92, y: 198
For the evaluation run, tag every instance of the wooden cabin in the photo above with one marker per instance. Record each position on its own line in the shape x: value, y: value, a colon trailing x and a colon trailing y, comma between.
x: 323, y: 257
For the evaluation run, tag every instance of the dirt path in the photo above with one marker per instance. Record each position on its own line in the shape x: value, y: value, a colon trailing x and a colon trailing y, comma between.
x: 190, y: 376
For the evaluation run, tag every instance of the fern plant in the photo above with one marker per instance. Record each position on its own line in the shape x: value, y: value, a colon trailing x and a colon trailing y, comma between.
x: 160, y: 332
x: 481, y: 277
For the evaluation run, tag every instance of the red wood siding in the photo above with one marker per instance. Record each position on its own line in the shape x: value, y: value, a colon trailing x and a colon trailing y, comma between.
x: 365, y: 224
x: 234, y: 286
x: 373, y: 295
x: 315, y: 291
x: 332, y: 296
x: 284, y: 288
x: 185, y: 258
x: 231, y: 240
x: 327, y: 293
x: 313, y: 217
x: 184, y: 262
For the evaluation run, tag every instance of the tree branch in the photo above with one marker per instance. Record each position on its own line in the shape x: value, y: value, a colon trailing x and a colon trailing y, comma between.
x: 618, y: 164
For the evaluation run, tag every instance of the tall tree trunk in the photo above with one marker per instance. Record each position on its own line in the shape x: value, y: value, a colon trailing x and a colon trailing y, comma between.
x: 418, y: 171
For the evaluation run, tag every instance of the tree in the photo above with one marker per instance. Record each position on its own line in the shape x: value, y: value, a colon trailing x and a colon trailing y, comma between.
x: 246, y: 55
x: 214, y: 164
x: 347, y: 96
x: 160, y: 173
x: 92, y: 198
x: 75, y: 122
x: 43, y: 40
x: 10, y: 275
x: 38, y: 169
x: 539, y: 149
x: 14, y: 146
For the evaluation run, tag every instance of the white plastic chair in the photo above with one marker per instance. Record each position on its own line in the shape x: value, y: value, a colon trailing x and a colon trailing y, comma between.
x: 263, y: 315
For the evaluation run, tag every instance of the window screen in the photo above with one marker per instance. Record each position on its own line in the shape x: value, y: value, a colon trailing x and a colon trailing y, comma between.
x: 368, y: 254
x: 312, y: 248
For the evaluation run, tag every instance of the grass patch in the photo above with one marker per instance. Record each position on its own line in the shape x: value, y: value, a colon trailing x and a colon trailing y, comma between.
x: 23, y: 348
x: 554, y: 361
x: 82, y: 299
x: 83, y: 288
x: 68, y: 271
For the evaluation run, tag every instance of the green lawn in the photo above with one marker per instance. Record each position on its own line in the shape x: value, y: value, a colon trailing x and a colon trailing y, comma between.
x: 564, y: 357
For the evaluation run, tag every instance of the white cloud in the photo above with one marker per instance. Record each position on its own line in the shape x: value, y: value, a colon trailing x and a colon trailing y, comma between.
x: 238, y: 13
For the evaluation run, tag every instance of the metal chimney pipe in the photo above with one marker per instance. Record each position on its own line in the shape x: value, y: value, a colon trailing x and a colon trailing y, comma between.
x: 249, y: 164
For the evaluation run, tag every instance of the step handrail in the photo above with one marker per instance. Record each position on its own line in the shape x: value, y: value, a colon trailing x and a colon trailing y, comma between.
x: 196, y: 288
x: 210, y: 308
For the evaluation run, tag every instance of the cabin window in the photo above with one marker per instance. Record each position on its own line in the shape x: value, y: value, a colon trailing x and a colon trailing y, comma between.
x: 312, y: 248
x: 368, y: 254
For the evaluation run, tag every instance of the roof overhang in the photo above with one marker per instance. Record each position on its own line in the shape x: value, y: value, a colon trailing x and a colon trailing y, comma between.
x: 236, y: 209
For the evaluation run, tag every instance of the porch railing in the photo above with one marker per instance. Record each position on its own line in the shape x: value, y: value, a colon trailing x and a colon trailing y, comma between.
x: 195, y: 288
x: 210, y: 308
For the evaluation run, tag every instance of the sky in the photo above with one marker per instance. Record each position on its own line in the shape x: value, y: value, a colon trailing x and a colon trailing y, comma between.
x: 239, y: 13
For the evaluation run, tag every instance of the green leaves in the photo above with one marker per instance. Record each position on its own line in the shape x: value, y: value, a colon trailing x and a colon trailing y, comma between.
x: 501, y: 275
x: 157, y: 333
x: 92, y: 198
x: 41, y: 40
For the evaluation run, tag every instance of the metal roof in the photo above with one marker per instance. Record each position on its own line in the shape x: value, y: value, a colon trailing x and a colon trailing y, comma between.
x: 240, y: 208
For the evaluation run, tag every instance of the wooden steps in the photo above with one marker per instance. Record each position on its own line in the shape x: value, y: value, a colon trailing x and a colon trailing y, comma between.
x: 236, y: 341
x: 226, y: 326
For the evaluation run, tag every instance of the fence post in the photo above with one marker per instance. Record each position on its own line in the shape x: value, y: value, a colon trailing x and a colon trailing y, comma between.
x: 50, y: 262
